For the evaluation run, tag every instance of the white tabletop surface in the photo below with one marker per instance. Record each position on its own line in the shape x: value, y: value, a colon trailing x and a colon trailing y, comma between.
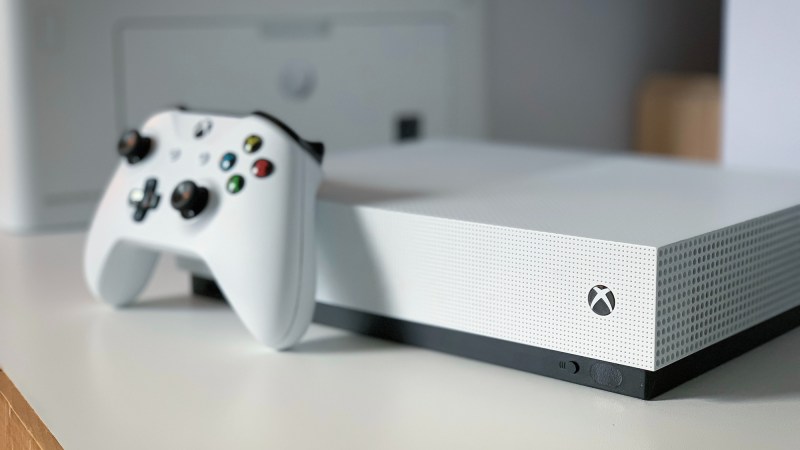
x: 175, y: 372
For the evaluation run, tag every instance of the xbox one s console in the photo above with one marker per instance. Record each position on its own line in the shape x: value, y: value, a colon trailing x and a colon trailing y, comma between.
x: 235, y: 193
x: 626, y: 273
x: 358, y: 73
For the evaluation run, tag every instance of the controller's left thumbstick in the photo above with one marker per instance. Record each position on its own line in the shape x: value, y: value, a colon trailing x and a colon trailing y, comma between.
x: 133, y: 146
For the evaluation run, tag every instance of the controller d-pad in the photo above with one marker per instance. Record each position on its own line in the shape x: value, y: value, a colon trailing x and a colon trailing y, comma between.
x: 144, y: 199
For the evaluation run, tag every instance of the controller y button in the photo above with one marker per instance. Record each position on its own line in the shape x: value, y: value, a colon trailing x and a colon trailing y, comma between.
x: 253, y: 144
x: 133, y: 146
x: 189, y: 199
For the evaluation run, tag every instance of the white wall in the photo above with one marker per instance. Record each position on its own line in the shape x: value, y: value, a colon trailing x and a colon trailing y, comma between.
x: 761, y: 124
x: 565, y: 72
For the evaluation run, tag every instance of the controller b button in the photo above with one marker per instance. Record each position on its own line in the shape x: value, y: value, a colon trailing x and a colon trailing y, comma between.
x: 262, y: 168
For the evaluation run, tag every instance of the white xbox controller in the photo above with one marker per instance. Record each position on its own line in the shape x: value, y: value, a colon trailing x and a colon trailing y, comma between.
x: 237, y: 193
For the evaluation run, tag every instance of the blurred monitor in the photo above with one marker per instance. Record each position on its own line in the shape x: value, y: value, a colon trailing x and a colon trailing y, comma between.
x: 761, y: 114
x: 352, y: 73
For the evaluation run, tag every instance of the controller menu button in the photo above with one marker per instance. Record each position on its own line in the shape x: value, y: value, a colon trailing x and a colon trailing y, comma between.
x: 235, y: 184
x: 227, y: 162
x: 133, y: 146
x: 262, y: 168
x: 253, y: 144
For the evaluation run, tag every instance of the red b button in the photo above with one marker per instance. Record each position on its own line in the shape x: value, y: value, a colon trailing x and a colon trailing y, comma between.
x: 262, y: 168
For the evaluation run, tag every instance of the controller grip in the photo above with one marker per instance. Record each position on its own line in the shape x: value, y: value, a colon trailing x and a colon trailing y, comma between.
x: 118, y: 271
x: 267, y: 295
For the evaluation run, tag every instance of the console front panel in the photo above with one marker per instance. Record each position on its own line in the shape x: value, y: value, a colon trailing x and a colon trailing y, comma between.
x: 539, y: 289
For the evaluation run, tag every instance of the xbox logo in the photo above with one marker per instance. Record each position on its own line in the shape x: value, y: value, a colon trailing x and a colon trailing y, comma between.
x: 601, y: 300
x: 203, y: 128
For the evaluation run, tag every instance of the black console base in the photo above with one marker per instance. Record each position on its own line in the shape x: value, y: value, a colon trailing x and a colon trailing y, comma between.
x: 617, y: 378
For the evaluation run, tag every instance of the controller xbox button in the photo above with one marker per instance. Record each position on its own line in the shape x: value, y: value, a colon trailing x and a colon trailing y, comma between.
x: 235, y: 184
x: 203, y: 128
x: 189, y: 199
x: 262, y: 168
x: 252, y: 144
x: 227, y: 162
x: 133, y: 146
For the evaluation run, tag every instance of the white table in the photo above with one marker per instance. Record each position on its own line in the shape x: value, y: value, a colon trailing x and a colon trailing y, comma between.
x: 176, y: 372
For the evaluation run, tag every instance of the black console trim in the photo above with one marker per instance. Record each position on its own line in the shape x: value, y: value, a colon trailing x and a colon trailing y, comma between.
x: 631, y: 381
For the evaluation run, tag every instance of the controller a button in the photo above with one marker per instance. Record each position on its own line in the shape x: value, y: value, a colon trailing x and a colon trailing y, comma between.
x: 189, y: 199
x: 235, y: 184
x: 227, y: 162
x: 262, y: 168
x: 252, y: 144
x: 133, y: 146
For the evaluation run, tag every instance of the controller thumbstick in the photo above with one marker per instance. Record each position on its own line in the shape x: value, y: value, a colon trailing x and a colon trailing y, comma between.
x: 189, y: 199
x: 133, y: 146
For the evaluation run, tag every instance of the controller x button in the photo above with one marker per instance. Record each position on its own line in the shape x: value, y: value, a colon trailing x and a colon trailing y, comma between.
x: 144, y: 200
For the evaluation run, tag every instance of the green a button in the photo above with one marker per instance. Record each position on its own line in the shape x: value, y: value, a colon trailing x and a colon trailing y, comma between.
x: 235, y: 184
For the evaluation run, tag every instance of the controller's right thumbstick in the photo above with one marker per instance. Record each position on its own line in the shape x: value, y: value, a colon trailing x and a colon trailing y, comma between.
x: 189, y: 199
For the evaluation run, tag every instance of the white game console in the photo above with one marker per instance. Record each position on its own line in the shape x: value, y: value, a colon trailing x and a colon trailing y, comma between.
x: 622, y: 272
x: 358, y: 73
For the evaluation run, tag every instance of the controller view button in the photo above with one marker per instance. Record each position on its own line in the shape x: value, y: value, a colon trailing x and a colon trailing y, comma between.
x: 235, y: 184
x: 262, y: 168
x: 252, y: 144
x: 227, y: 162
x: 189, y: 199
x: 175, y: 154
x: 133, y: 146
